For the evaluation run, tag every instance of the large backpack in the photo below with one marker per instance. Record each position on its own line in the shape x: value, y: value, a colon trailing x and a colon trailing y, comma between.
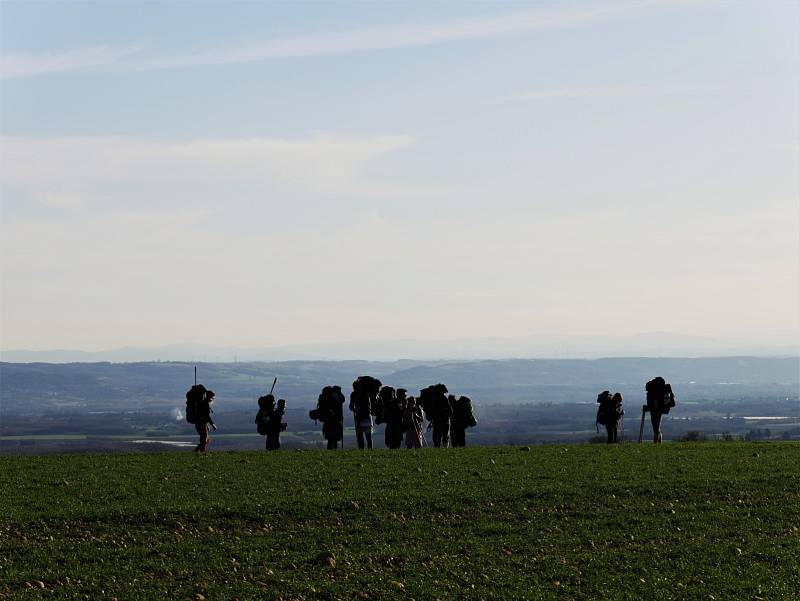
x: 263, y: 415
x: 194, y: 396
x: 262, y: 422
x: 604, y: 409
x: 465, y: 407
x: 668, y: 400
x: 655, y: 393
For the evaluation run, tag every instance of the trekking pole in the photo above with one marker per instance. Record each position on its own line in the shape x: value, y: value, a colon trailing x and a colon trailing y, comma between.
x: 342, y: 431
x: 420, y: 433
x: 641, y: 425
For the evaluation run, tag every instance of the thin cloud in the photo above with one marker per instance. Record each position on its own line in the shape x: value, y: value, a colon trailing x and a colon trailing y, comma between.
x: 604, y: 92
x: 69, y: 173
x: 115, y: 59
x: 94, y: 58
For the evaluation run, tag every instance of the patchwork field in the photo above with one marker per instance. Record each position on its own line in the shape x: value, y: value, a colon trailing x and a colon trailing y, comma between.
x: 676, y: 521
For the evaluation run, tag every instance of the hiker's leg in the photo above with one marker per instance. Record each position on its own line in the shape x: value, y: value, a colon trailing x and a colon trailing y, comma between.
x: 204, y: 439
x: 368, y: 436
x: 360, y: 439
x: 655, y: 421
x: 202, y: 432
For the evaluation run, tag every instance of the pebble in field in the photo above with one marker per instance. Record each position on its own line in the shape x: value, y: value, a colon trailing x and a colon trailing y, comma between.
x: 326, y: 559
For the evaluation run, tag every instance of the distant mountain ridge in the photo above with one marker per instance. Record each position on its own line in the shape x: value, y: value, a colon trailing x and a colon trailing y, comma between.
x: 550, y: 346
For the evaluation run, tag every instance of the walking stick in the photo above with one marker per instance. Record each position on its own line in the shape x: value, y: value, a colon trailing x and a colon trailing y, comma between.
x: 641, y: 426
x: 420, y: 433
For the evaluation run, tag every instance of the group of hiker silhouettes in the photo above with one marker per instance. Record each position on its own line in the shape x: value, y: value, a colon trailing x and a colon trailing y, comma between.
x: 660, y: 399
x: 372, y: 403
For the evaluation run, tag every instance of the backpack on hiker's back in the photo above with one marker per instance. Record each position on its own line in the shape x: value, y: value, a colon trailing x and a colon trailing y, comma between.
x: 264, y: 415
x: 659, y: 395
x: 194, y: 397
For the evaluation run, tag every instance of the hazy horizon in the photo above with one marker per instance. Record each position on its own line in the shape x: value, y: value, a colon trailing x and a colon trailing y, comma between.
x: 281, y: 175
x: 647, y: 345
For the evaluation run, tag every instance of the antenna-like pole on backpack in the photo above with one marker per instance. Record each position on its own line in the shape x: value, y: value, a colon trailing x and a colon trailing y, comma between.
x: 274, y: 381
x: 195, y: 375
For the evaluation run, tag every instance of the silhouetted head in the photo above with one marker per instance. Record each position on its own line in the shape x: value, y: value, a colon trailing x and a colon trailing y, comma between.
x: 617, y: 398
x: 401, y: 393
x: 210, y: 396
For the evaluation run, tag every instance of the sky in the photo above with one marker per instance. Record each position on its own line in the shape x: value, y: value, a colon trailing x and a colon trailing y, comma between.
x: 265, y: 174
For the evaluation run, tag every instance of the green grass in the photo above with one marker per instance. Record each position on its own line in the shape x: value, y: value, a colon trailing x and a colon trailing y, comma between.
x: 676, y: 521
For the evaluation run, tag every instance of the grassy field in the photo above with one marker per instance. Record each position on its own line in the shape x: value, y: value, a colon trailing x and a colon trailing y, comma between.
x: 676, y: 521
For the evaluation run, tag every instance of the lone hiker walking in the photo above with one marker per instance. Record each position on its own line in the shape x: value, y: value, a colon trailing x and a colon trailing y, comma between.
x: 660, y: 400
x: 203, y: 421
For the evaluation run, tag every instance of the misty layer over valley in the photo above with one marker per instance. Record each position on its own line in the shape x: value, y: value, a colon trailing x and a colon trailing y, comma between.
x: 130, y: 406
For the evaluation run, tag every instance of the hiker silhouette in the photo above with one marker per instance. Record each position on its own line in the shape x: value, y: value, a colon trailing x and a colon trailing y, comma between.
x: 412, y: 424
x: 364, y: 404
x: 330, y: 412
x: 609, y: 412
x: 461, y: 419
x: 434, y: 403
x: 660, y: 400
x: 203, y: 421
x: 269, y: 420
x: 393, y: 403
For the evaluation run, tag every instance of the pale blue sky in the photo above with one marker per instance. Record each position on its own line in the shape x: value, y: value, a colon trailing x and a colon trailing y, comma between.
x: 284, y: 173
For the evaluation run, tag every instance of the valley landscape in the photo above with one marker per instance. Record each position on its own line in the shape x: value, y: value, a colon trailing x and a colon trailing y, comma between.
x: 139, y: 406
